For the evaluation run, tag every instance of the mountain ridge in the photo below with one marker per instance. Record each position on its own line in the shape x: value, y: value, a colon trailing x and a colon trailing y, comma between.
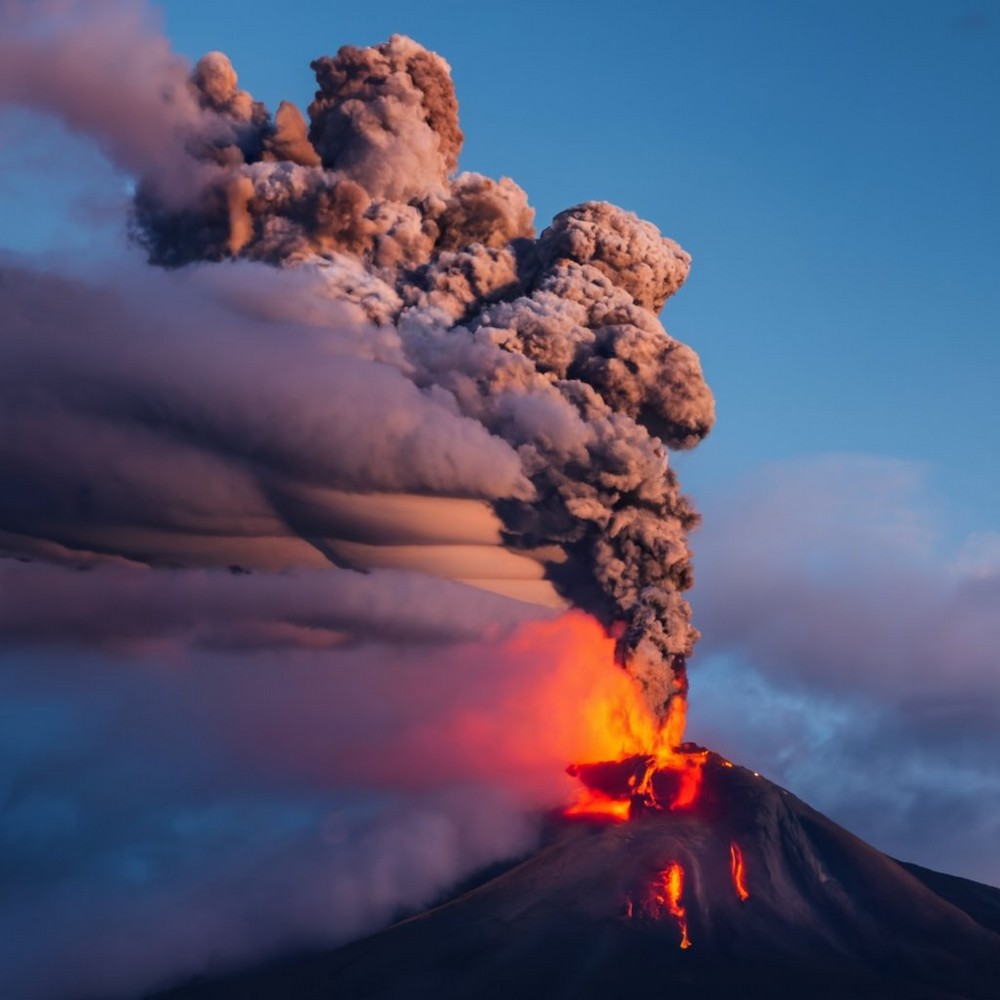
x: 591, y: 914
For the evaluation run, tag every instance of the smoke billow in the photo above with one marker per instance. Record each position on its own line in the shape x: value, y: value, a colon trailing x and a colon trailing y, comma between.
x: 104, y: 69
x: 550, y: 344
x: 286, y: 518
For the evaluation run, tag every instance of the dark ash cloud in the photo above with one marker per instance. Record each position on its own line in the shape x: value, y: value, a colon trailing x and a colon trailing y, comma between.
x: 288, y: 519
x: 449, y: 352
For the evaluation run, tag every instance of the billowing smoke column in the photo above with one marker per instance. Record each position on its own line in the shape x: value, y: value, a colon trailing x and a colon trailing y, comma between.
x: 396, y: 363
x: 551, y: 343
x: 287, y: 522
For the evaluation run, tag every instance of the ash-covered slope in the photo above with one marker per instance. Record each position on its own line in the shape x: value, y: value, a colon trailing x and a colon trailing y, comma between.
x: 604, y: 908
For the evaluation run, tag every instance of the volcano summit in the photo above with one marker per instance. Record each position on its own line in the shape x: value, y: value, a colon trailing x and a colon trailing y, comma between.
x: 748, y: 893
x: 373, y: 485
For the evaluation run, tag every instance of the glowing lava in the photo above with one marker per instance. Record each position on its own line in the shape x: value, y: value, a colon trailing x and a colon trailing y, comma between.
x: 736, y: 866
x: 641, y: 763
x: 595, y: 805
x: 665, y: 894
x: 662, y: 897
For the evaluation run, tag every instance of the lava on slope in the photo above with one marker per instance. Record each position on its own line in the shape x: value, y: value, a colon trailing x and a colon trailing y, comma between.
x: 603, y: 909
x: 737, y: 868
x: 663, y: 897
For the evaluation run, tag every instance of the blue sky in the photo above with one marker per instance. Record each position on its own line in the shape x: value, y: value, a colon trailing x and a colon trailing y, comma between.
x: 834, y: 169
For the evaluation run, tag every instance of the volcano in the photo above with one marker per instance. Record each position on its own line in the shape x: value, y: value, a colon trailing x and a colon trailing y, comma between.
x: 745, y: 893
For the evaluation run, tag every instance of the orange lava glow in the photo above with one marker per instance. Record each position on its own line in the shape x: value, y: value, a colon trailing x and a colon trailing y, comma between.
x: 665, y: 894
x: 739, y: 876
x: 513, y: 713
x: 594, y: 805
x: 656, y: 774
x: 662, y: 898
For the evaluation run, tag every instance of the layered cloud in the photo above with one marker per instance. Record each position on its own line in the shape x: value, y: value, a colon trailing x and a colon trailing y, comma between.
x: 446, y: 352
x: 291, y: 518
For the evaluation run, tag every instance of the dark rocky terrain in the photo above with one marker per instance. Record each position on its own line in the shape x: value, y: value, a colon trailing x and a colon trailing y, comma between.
x: 585, y: 917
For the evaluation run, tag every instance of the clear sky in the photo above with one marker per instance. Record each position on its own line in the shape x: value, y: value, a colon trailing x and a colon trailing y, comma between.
x: 834, y: 170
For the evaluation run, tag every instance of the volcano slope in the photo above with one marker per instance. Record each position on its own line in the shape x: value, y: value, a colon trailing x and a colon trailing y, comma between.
x: 601, y: 911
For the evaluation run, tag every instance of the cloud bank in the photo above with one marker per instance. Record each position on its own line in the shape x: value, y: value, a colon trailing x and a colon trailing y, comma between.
x: 447, y: 353
x: 850, y: 653
x: 174, y: 809
x: 293, y: 510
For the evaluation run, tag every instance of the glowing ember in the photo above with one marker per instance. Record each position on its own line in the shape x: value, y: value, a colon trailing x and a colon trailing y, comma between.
x: 736, y: 865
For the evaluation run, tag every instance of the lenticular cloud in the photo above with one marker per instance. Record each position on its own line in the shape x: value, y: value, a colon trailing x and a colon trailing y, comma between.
x: 389, y: 374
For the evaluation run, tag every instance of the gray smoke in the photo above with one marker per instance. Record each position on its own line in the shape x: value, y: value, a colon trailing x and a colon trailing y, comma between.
x: 285, y: 520
x: 103, y: 68
x: 550, y: 344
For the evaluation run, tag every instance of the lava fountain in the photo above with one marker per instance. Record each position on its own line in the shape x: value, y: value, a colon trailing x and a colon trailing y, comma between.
x: 644, y: 763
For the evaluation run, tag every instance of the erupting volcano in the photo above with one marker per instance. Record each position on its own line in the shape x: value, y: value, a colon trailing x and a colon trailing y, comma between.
x: 672, y: 868
x: 456, y: 431
x: 746, y: 893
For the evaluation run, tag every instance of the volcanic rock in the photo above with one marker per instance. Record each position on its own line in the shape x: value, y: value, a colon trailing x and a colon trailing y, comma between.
x: 826, y: 916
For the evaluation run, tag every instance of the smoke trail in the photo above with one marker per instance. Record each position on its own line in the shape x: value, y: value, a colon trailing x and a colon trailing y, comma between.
x: 550, y: 344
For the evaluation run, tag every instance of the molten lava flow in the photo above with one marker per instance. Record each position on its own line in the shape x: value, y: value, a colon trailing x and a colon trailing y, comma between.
x: 736, y: 866
x: 665, y: 894
x: 595, y: 805
x: 641, y: 762
x: 662, y: 897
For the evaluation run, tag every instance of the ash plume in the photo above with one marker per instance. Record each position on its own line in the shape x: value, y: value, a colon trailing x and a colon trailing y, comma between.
x: 551, y: 345
x: 104, y: 69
